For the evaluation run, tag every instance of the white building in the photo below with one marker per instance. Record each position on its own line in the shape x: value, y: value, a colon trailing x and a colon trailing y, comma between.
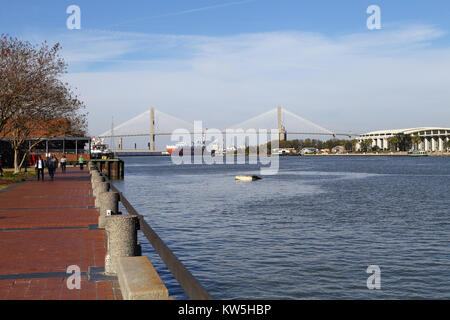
x: 432, y: 138
x: 283, y: 150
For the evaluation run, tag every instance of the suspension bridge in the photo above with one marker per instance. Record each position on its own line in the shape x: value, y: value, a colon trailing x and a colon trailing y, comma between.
x: 153, y: 123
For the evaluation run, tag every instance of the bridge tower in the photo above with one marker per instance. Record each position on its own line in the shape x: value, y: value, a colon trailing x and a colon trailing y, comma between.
x: 152, y: 129
x: 282, y: 134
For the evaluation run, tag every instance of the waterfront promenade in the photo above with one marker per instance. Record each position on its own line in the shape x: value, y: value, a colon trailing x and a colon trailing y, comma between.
x: 45, y: 227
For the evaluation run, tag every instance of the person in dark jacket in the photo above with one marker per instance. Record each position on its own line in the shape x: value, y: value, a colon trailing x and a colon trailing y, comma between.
x: 40, y: 166
x: 52, y: 165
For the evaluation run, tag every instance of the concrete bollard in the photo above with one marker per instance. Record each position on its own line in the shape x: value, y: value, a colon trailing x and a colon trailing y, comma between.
x: 93, y: 173
x: 96, y: 180
x: 107, y: 201
x: 101, y: 187
x: 122, y: 240
x: 94, y: 176
x: 98, y: 184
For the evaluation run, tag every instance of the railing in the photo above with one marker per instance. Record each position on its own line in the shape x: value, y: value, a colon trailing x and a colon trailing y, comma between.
x: 191, y: 286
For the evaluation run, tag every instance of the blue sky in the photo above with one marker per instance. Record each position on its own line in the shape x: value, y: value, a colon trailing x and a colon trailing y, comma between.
x: 218, y: 17
x: 224, y: 61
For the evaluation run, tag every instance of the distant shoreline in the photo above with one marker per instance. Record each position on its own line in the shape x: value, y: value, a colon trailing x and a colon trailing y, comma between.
x: 396, y: 154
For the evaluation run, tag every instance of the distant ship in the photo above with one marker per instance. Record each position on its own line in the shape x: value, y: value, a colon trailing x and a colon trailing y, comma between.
x: 179, y: 149
x: 99, y: 149
x: 195, y: 149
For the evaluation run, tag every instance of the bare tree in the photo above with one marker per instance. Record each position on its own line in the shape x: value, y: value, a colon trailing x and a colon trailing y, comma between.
x: 33, y: 96
x: 14, y: 78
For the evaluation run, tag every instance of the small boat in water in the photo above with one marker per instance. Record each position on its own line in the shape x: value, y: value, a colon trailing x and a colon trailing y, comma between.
x: 247, y: 178
x: 417, y: 153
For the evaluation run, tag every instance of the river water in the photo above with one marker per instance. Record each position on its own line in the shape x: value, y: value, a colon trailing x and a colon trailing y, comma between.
x: 309, y: 232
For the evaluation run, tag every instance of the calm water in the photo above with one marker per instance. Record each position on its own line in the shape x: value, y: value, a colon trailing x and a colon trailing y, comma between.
x: 309, y: 232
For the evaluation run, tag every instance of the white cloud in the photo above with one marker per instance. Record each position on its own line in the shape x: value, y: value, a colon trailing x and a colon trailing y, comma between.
x: 359, y: 82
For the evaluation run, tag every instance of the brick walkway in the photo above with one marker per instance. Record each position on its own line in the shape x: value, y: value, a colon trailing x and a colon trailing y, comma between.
x: 46, y: 227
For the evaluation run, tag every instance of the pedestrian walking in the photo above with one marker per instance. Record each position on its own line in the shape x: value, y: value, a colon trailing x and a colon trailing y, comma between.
x: 39, y: 166
x: 81, y: 162
x: 52, y: 165
x: 63, y: 162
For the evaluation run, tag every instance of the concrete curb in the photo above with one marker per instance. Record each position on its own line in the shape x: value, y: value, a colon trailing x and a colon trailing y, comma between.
x: 139, y: 280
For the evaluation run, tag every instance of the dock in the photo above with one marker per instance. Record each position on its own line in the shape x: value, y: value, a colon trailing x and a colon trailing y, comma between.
x: 45, y: 227
x: 112, y: 168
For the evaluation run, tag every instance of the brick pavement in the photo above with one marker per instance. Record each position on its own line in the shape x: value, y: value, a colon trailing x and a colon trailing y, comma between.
x: 46, y: 227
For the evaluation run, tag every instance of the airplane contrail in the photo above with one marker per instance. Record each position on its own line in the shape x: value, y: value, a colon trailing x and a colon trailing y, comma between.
x: 227, y: 4
x: 222, y: 5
